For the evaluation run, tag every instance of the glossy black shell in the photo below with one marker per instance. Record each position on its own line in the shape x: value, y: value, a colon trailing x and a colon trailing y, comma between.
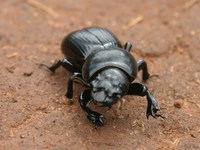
x: 93, y: 49
x: 81, y: 43
x: 116, y: 57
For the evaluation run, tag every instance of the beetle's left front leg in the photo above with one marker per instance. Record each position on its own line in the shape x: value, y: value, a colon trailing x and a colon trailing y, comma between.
x: 141, y: 90
x: 93, y: 116
x: 78, y: 78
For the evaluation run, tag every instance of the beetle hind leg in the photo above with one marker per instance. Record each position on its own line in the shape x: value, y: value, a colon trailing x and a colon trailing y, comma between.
x: 141, y: 90
x: 128, y: 46
x: 84, y: 99
x: 65, y: 63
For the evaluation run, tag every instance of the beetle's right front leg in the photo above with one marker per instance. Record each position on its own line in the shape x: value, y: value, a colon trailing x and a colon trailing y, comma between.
x: 93, y: 116
x: 141, y: 90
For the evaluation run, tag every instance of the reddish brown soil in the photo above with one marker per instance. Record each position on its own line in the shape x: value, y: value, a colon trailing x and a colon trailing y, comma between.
x: 34, y: 114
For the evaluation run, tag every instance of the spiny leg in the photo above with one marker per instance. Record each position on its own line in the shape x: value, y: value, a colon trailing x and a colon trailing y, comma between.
x: 93, y: 116
x: 70, y: 67
x: 142, y: 65
x: 65, y: 63
x: 78, y: 78
x: 141, y: 90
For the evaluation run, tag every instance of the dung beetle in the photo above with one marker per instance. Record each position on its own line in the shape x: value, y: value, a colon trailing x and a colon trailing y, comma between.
x: 105, y: 68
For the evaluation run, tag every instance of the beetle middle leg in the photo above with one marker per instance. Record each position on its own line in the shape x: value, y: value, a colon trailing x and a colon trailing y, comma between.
x: 142, y: 65
x: 93, y: 116
x: 141, y: 90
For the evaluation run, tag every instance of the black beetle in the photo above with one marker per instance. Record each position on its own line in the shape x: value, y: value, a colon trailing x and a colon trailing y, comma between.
x: 105, y: 67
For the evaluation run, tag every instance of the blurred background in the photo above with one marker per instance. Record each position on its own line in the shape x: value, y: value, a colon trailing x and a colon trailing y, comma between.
x: 34, y: 113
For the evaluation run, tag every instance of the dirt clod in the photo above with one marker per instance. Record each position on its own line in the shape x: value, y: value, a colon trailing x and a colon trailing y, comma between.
x: 178, y: 103
x: 27, y: 74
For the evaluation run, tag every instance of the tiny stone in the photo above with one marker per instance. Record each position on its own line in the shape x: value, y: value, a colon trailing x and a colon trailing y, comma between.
x: 27, y: 74
x: 193, y: 135
x: 121, y: 117
x: 22, y: 136
x: 178, y: 103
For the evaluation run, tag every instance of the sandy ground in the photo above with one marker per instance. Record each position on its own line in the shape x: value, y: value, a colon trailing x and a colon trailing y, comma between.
x: 34, y: 114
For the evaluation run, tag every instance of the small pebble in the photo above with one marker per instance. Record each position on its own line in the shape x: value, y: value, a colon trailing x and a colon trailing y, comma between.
x: 178, y: 103
x: 11, y: 55
x: 22, y: 136
x: 27, y: 74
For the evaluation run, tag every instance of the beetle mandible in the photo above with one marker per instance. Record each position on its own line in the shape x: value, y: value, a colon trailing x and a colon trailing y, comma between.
x: 105, y: 67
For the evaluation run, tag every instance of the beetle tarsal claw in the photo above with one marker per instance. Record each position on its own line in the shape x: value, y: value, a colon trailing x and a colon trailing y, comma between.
x: 120, y: 103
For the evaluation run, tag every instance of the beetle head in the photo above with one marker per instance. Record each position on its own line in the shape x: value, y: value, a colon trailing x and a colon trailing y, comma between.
x: 109, y: 86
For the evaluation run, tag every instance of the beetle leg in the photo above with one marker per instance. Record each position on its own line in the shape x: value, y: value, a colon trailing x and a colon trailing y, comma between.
x: 128, y: 46
x: 78, y: 78
x: 65, y: 63
x: 93, y: 116
x: 141, y: 90
x: 142, y: 65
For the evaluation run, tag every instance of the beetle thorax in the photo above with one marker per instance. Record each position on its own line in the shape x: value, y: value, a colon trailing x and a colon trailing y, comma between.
x: 109, y: 86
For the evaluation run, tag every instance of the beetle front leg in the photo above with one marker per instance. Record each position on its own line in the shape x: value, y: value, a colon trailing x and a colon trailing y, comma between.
x: 93, y: 116
x: 78, y: 78
x: 141, y: 90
